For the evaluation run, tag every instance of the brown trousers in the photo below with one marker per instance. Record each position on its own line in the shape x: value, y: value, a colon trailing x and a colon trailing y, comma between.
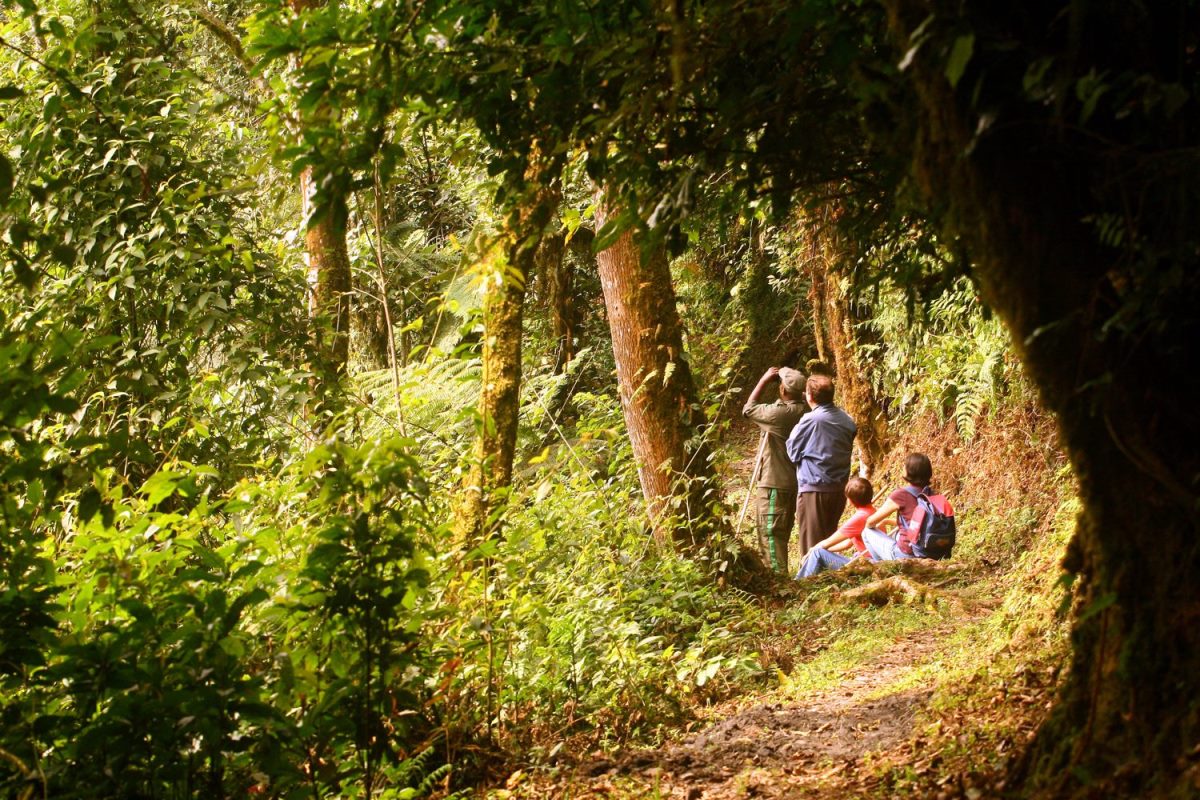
x: 818, y: 514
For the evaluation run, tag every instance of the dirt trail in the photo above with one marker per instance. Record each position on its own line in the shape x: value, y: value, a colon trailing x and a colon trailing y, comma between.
x: 775, y: 750
x: 816, y: 747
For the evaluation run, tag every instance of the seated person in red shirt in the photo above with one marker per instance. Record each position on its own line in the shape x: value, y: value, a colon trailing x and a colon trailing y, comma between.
x: 845, y: 544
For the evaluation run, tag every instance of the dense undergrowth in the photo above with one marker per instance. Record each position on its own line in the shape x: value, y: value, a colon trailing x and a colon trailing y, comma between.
x: 219, y: 581
x: 310, y: 628
x: 998, y: 610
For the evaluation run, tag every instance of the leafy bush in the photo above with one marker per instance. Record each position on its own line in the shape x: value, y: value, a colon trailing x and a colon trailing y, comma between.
x: 143, y: 245
x: 572, y: 630
x: 264, y: 639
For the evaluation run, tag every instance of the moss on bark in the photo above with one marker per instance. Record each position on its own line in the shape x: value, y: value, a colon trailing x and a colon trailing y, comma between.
x: 1021, y: 198
x: 506, y: 271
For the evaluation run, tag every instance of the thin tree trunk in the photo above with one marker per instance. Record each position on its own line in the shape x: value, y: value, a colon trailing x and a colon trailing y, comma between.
x: 658, y: 394
x: 369, y: 332
x: 574, y: 305
x: 381, y: 276
x: 818, y: 294
x: 556, y: 271
x: 509, y: 264
x: 329, y: 278
x: 328, y: 262
x: 566, y: 318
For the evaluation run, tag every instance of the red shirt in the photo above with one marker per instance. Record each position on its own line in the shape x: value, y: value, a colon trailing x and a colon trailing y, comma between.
x: 852, y: 528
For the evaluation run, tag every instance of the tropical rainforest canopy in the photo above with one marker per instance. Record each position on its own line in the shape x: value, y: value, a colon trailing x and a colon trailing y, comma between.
x: 371, y: 378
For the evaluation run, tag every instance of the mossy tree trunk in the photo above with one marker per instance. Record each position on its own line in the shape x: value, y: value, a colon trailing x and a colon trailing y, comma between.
x: 1109, y: 341
x: 578, y: 294
x: 817, y: 297
x: 658, y: 392
x: 771, y: 339
x: 559, y: 260
x: 843, y: 338
x: 369, y: 333
x: 855, y: 392
x: 509, y: 264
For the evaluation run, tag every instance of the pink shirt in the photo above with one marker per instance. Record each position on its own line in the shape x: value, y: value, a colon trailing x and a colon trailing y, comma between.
x: 852, y: 528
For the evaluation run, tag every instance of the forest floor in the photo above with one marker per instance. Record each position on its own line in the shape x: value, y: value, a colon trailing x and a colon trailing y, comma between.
x: 830, y: 744
x: 917, y: 679
x: 860, y: 737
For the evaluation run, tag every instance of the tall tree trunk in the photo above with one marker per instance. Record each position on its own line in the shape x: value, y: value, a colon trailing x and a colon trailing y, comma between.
x: 833, y: 305
x: 510, y: 263
x: 558, y: 275
x: 326, y: 253
x: 658, y: 394
x: 329, y: 277
x: 1020, y: 196
x: 328, y: 261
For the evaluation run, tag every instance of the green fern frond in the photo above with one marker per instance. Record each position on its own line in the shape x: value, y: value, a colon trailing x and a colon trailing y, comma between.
x: 968, y: 405
x: 432, y: 779
x: 413, y: 767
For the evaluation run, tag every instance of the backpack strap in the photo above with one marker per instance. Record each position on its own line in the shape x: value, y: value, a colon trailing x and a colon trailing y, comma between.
x: 911, y: 531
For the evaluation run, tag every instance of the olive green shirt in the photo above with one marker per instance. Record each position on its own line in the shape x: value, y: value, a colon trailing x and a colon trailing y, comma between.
x: 776, y: 420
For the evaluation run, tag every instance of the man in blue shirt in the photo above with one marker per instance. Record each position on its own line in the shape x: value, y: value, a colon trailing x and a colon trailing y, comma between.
x: 820, y: 447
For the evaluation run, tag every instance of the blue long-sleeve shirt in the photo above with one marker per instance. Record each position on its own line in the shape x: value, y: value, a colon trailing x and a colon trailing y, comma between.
x: 820, y: 447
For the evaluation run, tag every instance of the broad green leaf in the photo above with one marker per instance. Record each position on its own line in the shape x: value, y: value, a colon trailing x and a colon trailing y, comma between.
x: 960, y: 56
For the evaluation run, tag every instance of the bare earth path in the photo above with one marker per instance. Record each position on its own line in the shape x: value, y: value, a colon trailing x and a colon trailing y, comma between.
x: 812, y: 748
x: 822, y: 745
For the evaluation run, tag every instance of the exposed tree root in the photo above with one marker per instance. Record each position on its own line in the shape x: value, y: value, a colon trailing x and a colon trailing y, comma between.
x: 888, y: 590
x: 904, y: 588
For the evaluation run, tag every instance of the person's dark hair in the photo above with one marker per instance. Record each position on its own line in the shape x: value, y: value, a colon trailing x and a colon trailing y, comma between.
x: 821, y: 389
x: 917, y: 469
x: 859, y: 491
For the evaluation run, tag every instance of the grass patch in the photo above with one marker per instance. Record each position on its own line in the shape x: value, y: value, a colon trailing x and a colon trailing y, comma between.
x: 853, y: 638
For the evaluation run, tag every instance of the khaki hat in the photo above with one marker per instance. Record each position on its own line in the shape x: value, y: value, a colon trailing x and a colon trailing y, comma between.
x: 792, y: 382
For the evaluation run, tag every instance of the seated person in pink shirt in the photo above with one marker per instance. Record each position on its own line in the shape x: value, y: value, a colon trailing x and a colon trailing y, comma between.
x: 844, y: 544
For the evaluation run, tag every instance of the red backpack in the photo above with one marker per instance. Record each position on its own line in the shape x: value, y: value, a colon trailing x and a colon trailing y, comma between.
x: 931, y: 528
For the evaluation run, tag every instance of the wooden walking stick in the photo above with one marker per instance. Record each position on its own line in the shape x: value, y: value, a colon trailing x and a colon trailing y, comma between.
x: 762, y: 445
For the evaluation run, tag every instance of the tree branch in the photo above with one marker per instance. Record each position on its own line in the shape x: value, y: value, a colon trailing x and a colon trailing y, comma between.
x: 226, y: 35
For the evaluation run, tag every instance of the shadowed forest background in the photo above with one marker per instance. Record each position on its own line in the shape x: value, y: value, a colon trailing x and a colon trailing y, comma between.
x: 371, y: 378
